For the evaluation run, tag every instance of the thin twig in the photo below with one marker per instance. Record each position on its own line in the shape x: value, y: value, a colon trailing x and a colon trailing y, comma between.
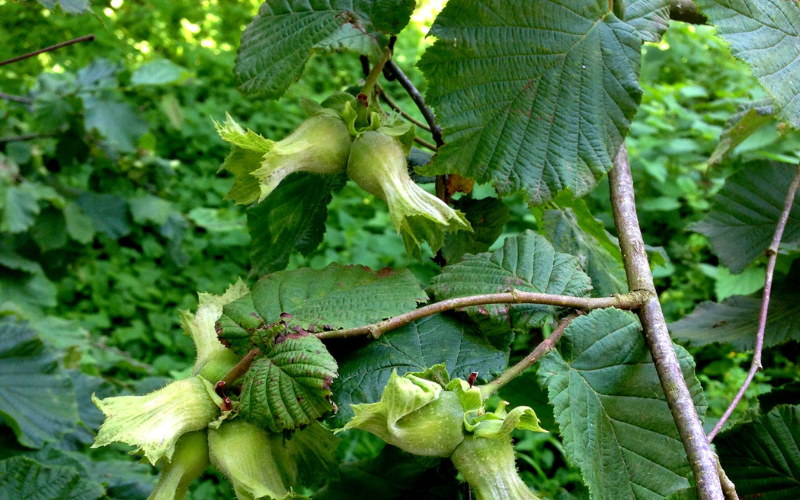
x: 16, y: 98
x: 637, y: 268
x: 412, y: 91
x: 86, y: 38
x: 423, y: 142
x: 26, y: 137
x: 772, y: 256
x: 240, y: 368
x: 628, y: 302
x: 400, y: 110
x: 515, y: 371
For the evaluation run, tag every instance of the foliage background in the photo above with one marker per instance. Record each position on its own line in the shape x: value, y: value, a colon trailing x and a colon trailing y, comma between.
x: 110, y: 226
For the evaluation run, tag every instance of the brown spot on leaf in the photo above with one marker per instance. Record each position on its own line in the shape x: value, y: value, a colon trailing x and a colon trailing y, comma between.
x: 285, y: 315
x: 385, y: 272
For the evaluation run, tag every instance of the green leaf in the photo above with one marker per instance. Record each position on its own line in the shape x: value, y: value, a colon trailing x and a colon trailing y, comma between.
x: 612, y: 411
x: 526, y: 391
x: 68, y: 6
x: 742, y: 222
x: 335, y: 297
x: 36, y: 399
x: 50, y: 229
x: 34, y: 291
x: 160, y: 72
x: 25, y: 479
x: 762, y: 458
x: 117, y: 122
x: 487, y: 217
x: 108, y: 213
x: 563, y: 229
x: 291, y: 217
x: 289, y: 387
x: 526, y: 263
x: 734, y: 321
x: 364, y: 372
x: 742, y: 125
x: 649, y: 17
x: 79, y: 226
x: 765, y: 35
x: 149, y: 208
x: 281, y: 38
x: 393, y: 474
x: 533, y: 95
x: 20, y: 208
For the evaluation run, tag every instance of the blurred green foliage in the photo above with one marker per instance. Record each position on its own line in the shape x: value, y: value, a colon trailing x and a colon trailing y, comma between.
x: 113, y: 218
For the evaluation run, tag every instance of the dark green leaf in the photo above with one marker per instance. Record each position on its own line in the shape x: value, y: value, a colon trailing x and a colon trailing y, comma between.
x: 487, y: 216
x: 526, y: 391
x: 463, y: 349
x: 289, y: 387
x: 24, y: 479
x: 36, y: 400
x: 734, y: 321
x: 34, y: 291
x: 393, y: 474
x: 79, y: 226
x: 117, y: 122
x: 742, y: 125
x: 649, y: 17
x: 108, y: 213
x: 765, y: 35
x: 533, y: 95
x: 526, y: 263
x: 785, y: 394
x: 612, y: 411
x: 335, y: 297
x: 279, y: 41
x: 291, y: 217
x: 50, y: 230
x: 20, y: 208
x: 742, y: 223
x: 762, y: 458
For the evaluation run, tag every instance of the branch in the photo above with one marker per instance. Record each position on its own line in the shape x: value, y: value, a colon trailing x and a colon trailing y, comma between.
x: 701, y: 457
x: 728, y: 488
x: 87, y: 38
x: 25, y: 137
x: 515, y: 371
x: 686, y: 11
x: 240, y: 368
x: 628, y: 301
x: 772, y: 253
x: 426, y: 111
x: 400, y: 110
x: 424, y: 143
x: 16, y: 98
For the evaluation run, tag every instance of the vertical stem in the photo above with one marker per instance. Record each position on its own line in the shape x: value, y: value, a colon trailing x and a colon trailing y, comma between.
x: 772, y: 253
x: 701, y: 458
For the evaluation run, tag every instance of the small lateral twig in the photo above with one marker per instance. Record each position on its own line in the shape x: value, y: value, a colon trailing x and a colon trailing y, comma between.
x: 424, y: 143
x: 240, y: 368
x: 26, y: 137
x: 627, y: 301
x: 86, y: 38
x: 772, y: 257
x: 728, y: 488
x: 16, y: 98
x: 515, y: 371
x: 427, y: 112
x: 702, y: 459
x: 400, y: 110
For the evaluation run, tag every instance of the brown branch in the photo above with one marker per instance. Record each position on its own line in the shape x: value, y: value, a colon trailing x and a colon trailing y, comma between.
x: 772, y: 256
x: 400, y: 110
x: 515, y: 371
x: 424, y: 143
x: 16, y: 98
x: 701, y: 458
x: 686, y: 11
x: 415, y: 95
x: 87, y: 38
x: 628, y: 301
x: 240, y: 368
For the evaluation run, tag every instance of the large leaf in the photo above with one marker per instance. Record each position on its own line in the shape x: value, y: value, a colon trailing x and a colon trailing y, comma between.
x: 526, y: 263
x: 36, y: 399
x: 363, y: 372
x: 533, y: 95
x: 564, y: 231
x: 334, y: 297
x: 393, y: 474
x: 289, y: 386
x: 611, y: 409
x: 487, y: 217
x: 742, y: 223
x: 25, y: 479
x: 281, y: 38
x: 117, y: 122
x: 108, y: 213
x: 734, y: 321
x: 766, y: 35
x: 649, y: 17
x: 762, y: 458
x: 291, y: 217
